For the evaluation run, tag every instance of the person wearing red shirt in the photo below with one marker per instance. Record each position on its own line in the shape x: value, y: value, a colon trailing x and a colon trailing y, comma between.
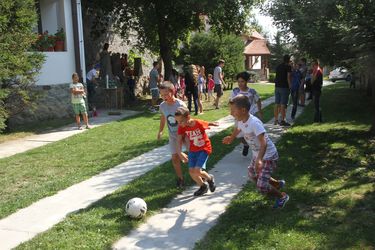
x: 200, y: 148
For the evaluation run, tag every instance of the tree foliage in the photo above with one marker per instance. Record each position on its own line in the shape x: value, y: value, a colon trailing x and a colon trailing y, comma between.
x: 161, y: 25
x: 339, y: 32
x: 18, y: 66
x: 207, y: 48
x: 278, y: 49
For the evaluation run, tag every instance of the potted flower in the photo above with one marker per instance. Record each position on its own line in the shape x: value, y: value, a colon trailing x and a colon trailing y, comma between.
x: 45, y: 42
x: 59, y: 40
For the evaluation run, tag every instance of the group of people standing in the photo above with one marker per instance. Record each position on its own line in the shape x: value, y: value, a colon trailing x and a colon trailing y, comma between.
x: 193, y: 84
x: 295, y: 79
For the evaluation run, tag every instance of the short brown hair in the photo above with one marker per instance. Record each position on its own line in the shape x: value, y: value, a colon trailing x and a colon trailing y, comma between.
x: 182, y: 111
x: 75, y: 74
x: 167, y: 85
x: 241, y: 101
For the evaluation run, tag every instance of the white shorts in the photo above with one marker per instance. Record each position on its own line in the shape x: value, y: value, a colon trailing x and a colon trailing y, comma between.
x: 200, y: 88
x: 173, y: 144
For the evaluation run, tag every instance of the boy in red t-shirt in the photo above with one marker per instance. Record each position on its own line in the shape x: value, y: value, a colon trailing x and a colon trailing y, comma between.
x: 200, y: 148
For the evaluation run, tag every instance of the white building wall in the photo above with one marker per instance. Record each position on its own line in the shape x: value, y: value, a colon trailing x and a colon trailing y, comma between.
x: 59, y: 66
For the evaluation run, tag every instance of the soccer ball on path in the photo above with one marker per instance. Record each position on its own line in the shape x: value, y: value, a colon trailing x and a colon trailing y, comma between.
x: 136, y: 208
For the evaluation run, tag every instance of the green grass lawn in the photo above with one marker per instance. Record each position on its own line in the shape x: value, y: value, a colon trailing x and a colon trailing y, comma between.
x: 330, y: 174
x: 104, y: 222
x: 41, y: 172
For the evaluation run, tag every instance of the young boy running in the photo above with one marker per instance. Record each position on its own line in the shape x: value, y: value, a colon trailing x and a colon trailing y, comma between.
x: 265, y: 153
x: 200, y: 149
x: 168, y: 108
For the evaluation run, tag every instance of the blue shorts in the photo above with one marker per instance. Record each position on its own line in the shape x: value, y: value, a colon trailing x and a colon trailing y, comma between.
x: 282, y: 96
x: 198, y: 159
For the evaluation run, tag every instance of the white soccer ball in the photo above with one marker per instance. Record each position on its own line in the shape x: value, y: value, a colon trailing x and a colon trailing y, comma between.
x: 136, y: 208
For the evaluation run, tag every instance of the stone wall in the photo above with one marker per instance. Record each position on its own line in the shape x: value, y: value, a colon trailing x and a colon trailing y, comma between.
x: 54, y: 102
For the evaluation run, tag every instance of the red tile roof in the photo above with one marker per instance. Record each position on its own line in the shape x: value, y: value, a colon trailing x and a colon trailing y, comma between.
x: 257, y: 47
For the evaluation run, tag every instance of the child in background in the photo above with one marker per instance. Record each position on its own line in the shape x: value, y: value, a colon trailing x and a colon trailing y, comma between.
x: 78, y: 101
x: 255, y: 104
x: 199, y: 150
x: 210, y: 87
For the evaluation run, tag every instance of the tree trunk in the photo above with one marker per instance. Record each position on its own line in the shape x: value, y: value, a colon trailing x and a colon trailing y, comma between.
x: 165, y: 46
x: 371, y: 83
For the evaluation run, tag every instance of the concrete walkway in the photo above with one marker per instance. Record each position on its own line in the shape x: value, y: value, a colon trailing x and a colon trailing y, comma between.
x: 13, y: 147
x: 187, y: 219
x: 45, y: 213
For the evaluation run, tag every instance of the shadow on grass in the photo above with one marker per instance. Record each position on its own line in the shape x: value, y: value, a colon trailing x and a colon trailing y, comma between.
x: 330, y: 174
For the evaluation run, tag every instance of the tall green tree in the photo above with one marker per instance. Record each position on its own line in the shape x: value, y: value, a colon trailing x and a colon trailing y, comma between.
x: 18, y: 66
x: 207, y: 48
x: 162, y: 24
x: 278, y: 49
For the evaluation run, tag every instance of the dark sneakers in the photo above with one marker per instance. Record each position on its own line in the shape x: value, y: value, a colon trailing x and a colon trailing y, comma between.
x: 180, y: 183
x: 202, y: 190
x: 284, y: 123
x: 211, y: 184
x: 280, y: 203
x: 245, y: 150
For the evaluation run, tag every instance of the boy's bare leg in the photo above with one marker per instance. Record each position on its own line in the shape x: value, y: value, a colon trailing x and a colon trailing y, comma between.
x: 176, y: 162
x: 78, y: 120
x: 275, y: 193
x: 275, y: 183
x: 195, y: 176
x: 86, y: 119
x: 204, y: 174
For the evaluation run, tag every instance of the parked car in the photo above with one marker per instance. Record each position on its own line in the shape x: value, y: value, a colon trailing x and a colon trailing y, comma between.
x: 340, y: 73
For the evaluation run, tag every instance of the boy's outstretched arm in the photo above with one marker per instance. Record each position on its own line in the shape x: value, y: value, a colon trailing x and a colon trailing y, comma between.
x: 262, y: 151
x: 162, y: 125
x: 230, y: 138
x: 213, y: 124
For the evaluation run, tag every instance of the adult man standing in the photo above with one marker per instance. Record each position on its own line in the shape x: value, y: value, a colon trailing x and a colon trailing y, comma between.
x: 153, y: 84
x: 283, y: 83
x: 219, y: 81
x: 91, y: 85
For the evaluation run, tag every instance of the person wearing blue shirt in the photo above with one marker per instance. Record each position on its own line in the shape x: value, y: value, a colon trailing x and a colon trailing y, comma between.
x: 296, y: 81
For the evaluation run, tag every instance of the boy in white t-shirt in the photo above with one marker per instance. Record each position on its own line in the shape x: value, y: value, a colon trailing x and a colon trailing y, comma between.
x: 265, y: 154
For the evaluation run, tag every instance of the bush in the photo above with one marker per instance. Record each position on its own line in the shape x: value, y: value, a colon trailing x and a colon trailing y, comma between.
x: 18, y: 66
x: 271, y: 77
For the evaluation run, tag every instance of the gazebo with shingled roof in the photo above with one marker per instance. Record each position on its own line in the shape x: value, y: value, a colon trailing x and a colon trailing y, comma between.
x: 256, y: 54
